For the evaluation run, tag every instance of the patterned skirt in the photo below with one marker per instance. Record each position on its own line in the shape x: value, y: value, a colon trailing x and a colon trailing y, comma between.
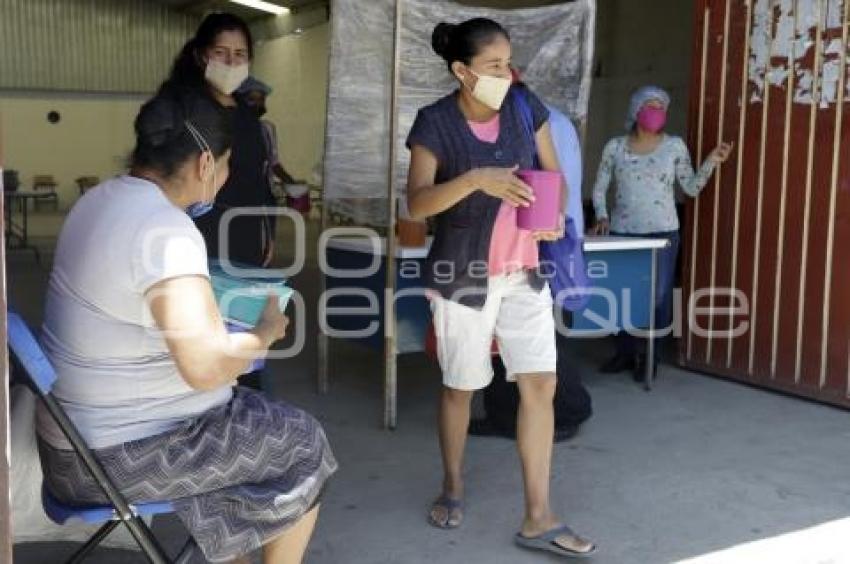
x: 239, y: 475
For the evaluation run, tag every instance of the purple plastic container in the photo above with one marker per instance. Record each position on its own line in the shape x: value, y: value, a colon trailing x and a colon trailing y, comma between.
x: 544, y: 212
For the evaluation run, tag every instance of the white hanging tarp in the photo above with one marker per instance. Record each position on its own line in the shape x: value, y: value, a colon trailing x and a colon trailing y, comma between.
x: 553, y: 46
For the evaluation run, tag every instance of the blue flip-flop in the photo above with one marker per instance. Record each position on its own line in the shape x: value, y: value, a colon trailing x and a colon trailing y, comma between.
x: 450, y: 505
x: 546, y: 542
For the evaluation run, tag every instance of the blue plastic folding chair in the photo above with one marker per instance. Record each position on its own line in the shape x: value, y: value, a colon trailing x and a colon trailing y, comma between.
x: 41, y: 377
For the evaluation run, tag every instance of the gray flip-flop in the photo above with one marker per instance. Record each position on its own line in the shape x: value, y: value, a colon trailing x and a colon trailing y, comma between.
x: 546, y: 542
x: 450, y: 505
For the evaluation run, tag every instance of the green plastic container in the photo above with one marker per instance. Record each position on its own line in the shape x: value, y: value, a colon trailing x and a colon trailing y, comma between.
x: 241, y: 299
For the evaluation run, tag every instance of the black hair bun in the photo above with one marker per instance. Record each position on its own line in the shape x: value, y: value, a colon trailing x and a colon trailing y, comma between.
x: 441, y: 39
x: 164, y: 117
x: 159, y: 120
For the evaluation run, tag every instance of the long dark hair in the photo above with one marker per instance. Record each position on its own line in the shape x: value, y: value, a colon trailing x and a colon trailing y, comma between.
x: 188, y: 67
x: 163, y: 139
x: 461, y: 42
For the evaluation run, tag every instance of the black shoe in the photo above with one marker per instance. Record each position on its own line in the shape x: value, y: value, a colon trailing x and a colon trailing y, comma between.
x: 639, y: 374
x: 481, y: 427
x: 565, y: 433
x: 486, y: 428
x: 618, y: 363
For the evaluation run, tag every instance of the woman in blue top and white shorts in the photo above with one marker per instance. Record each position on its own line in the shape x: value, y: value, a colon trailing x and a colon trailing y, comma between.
x: 482, y: 271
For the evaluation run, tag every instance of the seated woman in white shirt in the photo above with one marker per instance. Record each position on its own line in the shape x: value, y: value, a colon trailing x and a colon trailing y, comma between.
x: 146, y: 368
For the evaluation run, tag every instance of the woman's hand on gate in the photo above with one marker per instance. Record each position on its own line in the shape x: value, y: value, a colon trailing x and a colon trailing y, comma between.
x: 721, y: 153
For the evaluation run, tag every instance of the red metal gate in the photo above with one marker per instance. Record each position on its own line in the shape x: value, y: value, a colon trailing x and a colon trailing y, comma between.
x: 774, y: 222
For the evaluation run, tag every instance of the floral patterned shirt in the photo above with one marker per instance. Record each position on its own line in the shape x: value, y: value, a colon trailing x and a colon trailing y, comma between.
x: 645, y: 200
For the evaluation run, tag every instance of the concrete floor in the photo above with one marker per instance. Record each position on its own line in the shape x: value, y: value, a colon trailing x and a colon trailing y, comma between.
x: 699, y: 470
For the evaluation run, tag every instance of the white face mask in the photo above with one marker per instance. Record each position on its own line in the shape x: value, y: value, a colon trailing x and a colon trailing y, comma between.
x: 491, y: 90
x: 224, y: 77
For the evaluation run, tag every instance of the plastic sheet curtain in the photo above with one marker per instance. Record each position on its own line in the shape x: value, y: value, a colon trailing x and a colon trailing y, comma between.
x: 553, y: 47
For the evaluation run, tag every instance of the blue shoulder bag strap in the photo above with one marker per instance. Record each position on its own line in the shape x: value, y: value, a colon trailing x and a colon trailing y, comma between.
x: 526, y: 117
x: 562, y: 261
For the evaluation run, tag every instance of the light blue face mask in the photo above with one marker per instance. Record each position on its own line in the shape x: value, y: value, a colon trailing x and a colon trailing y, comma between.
x: 197, y: 209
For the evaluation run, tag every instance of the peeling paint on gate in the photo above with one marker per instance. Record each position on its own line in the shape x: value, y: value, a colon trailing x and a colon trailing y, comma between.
x: 786, y: 30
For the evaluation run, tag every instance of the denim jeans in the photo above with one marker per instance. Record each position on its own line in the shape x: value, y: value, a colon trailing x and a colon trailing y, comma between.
x: 665, y: 275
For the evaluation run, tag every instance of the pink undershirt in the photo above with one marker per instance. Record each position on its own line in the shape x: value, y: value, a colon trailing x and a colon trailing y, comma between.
x: 511, y: 248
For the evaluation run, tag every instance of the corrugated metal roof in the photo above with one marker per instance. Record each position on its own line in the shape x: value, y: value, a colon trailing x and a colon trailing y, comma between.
x: 89, y: 45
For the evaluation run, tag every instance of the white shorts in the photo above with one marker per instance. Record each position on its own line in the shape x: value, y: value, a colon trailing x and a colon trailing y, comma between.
x: 517, y: 315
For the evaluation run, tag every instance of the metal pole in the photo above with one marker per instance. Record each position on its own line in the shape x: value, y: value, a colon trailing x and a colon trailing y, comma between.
x: 745, y: 73
x: 817, y: 94
x: 590, y: 29
x: 760, y: 199
x: 721, y: 114
x: 706, y: 18
x: 390, y: 345
x: 322, y: 340
x: 783, y: 198
x: 650, y: 345
x: 93, y: 542
x: 833, y: 187
x: 5, y: 416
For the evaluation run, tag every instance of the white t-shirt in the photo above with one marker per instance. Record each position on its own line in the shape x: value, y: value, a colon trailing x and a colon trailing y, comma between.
x: 116, y: 379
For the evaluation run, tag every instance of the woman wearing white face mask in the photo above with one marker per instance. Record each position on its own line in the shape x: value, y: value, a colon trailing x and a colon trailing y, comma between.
x: 465, y: 149
x: 216, y: 61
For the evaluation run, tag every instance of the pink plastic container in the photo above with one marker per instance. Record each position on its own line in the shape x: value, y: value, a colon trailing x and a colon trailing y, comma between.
x: 543, y: 213
x: 298, y: 197
x: 300, y: 204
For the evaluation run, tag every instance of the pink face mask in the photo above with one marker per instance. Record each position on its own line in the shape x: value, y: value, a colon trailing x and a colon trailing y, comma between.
x: 652, y: 119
